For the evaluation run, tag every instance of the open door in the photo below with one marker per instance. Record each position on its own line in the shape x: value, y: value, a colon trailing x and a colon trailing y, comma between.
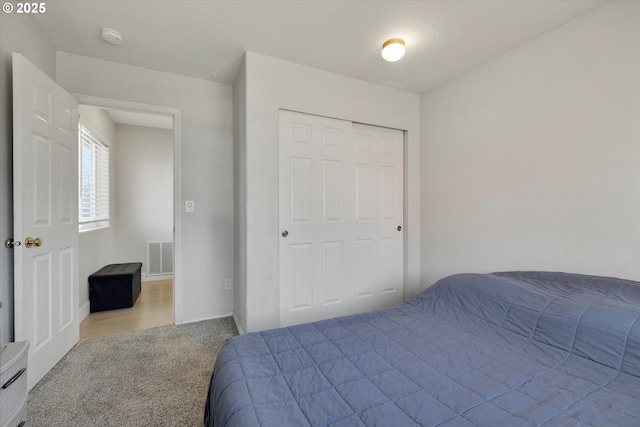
x: 45, y: 196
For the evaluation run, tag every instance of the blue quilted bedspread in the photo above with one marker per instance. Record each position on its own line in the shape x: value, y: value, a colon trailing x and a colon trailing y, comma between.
x: 503, y: 349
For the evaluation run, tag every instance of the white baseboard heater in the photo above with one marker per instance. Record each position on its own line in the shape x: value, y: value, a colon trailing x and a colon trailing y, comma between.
x: 159, y: 257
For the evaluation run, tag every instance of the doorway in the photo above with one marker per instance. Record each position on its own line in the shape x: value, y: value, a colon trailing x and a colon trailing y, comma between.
x: 143, y: 177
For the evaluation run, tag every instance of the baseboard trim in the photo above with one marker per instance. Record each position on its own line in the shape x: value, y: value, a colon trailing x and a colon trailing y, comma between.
x: 219, y: 316
x: 238, y: 327
x: 83, y: 311
x: 146, y: 278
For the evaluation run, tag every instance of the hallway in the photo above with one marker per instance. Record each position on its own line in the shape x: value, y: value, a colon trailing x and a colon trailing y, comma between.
x: 154, y: 307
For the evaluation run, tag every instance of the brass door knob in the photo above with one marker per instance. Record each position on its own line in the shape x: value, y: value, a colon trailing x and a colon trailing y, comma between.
x: 30, y: 241
x: 10, y: 243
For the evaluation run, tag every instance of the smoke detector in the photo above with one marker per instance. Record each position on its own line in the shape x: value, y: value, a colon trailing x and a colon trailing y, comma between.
x: 111, y: 36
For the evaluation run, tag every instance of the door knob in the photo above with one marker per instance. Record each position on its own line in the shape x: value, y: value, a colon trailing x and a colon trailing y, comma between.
x: 10, y: 243
x: 30, y: 241
x: 285, y: 233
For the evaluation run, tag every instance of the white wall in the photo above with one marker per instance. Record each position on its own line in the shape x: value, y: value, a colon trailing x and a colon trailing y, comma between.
x: 271, y: 85
x: 239, y: 196
x: 144, y: 177
x: 97, y: 247
x: 206, y: 165
x: 531, y: 161
x: 17, y: 34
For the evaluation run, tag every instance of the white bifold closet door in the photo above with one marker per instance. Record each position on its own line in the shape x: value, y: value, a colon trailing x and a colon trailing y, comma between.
x: 341, y: 212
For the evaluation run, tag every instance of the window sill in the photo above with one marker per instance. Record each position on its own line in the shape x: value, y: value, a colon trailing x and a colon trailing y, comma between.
x: 92, y: 226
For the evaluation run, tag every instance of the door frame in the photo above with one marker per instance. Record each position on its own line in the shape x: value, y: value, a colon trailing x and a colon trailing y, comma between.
x: 99, y: 102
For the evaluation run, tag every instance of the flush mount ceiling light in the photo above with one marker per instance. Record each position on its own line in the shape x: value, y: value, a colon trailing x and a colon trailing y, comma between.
x: 111, y: 36
x: 393, y: 49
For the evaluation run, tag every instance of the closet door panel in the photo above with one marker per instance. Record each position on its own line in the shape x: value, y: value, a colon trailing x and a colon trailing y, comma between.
x: 340, y: 205
x: 315, y: 210
x: 379, y: 215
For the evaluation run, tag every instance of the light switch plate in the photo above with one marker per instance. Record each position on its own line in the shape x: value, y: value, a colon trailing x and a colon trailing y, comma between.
x: 189, y: 206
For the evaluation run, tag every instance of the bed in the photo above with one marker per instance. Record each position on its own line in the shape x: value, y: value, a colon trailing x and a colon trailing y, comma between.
x: 501, y: 349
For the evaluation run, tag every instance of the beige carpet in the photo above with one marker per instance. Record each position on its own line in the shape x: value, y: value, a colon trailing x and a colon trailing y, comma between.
x: 156, y: 377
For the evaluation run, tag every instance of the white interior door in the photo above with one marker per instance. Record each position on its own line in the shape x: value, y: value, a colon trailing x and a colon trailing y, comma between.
x: 315, y: 209
x: 45, y: 188
x: 378, y: 216
x: 341, y: 205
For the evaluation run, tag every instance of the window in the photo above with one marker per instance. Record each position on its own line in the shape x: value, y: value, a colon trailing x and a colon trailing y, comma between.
x: 93, y: 177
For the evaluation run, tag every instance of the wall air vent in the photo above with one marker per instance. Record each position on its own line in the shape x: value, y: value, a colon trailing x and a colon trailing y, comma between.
x: 159, y: 257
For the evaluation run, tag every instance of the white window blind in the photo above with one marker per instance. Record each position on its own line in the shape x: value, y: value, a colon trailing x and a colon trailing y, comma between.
x: 93, y: 191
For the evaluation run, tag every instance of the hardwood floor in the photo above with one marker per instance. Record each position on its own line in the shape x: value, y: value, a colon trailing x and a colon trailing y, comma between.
x: 154, y: 307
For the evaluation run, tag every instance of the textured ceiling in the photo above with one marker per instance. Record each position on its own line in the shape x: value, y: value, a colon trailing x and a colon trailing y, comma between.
x: 200, y: 38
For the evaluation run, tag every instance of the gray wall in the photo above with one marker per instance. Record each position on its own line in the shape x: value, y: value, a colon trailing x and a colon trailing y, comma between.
x: 239, y: 196
x: 531, y: 161
x: 271, y: 85
x: 144, y: 197
x: 205, y: 170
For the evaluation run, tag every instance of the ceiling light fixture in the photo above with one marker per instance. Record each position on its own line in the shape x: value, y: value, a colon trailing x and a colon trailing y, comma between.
x: 393, y: 49
x: 111, y: 36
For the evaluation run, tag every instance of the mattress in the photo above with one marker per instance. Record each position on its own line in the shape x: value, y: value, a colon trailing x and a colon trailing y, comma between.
x: 511, y: 348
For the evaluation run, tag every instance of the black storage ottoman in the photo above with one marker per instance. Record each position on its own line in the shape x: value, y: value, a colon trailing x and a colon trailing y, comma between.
x: 114, y: 286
